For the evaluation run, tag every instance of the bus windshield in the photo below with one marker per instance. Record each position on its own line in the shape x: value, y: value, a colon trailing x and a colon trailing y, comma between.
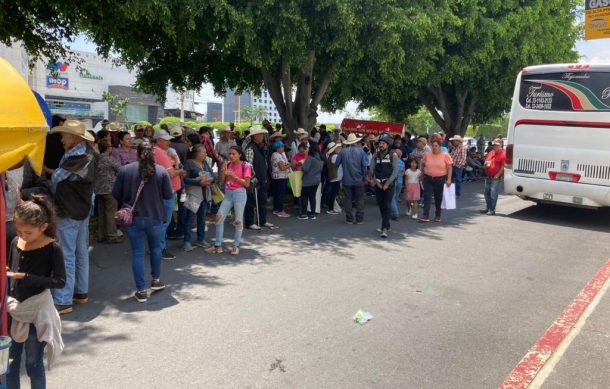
x: 566, y: 91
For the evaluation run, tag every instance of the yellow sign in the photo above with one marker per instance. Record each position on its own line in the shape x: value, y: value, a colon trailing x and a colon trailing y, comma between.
x: 597, y: 19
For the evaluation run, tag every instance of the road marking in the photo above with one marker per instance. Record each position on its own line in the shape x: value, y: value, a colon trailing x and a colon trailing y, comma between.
x: 559, y: 335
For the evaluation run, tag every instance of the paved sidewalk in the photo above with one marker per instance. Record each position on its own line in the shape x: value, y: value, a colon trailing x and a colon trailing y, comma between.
x: 586, y: 362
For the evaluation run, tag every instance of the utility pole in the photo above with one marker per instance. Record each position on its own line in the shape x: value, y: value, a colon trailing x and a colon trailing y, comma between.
x: 181, y: 105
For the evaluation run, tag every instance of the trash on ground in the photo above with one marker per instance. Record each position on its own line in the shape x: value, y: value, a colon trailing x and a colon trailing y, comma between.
x: 362, y: 317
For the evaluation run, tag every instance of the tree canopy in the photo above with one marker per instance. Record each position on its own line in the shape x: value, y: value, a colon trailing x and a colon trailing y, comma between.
x: 484, y: 44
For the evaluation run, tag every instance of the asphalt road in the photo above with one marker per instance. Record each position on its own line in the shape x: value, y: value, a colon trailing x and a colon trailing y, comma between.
x: 456, y: 304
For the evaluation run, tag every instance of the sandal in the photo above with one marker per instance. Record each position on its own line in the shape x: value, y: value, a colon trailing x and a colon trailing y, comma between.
x: 214, y: 250
x: 234, y: 250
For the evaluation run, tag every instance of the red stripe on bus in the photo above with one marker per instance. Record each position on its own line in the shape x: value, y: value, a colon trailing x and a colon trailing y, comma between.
x: 565, y: 123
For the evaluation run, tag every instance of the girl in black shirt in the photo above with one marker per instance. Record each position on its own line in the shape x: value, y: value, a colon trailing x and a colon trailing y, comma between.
x: 36, y: 263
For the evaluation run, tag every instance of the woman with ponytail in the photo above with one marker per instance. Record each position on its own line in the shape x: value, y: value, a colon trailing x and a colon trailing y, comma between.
x: 144, y: 186
x: 36, y: 265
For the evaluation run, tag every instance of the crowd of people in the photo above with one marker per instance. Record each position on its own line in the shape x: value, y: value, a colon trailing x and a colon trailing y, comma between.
x: 168, y: 181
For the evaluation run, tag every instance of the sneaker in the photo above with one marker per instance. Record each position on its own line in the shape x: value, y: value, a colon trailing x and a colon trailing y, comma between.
x: 484, y: 211
x: 157, y: 285
x: 349, y: 222
x: 141, y: 295
x: 80, y: 298
x: 202, y: 243
x: 312, y: 217
x: 214, y: 250
x: 302, y: 217
x: 167, y: 255
x: 491, y: 213
x: 254, y: 227
x: 276, y: 212
x: 384, y: 233
x: 187, y: 247
x: 408, y: 212
x: 175, y: 237
x: 414, y: 216
x: 360, y: 223
x: 437, y: 219
x: 282, y: 214
x: 394, y: 217
x: 268, y: 225
x: 332, y: 212
x: 424, y: 219
x: 234, y: 250
x: 383, y: 229
x: 63, y: 309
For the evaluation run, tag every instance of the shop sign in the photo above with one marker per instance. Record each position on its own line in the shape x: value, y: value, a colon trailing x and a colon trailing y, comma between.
x: 58, y: 83
x: 597, y: 19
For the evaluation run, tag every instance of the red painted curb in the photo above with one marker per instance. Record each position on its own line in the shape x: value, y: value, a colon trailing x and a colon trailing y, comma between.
x: 523, y: 374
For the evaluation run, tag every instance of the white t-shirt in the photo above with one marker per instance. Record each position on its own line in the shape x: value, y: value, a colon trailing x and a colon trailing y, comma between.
x: 413, y: 176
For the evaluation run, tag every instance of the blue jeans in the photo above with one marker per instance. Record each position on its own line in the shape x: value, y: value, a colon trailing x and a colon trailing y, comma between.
x: 188, y: 222
x: 491, y: 193
x: 397, y: 190
x: 169, y: 211
x: 235, y: 199
x: 457, y: 177
x: 34, y: 351
x: 141, y: 231
x: 74, y: 239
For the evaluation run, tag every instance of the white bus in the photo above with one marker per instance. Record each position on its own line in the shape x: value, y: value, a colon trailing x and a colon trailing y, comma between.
x: 558, y: 148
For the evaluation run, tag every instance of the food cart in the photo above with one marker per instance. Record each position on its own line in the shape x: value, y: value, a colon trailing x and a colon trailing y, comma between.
x: 23, y: 130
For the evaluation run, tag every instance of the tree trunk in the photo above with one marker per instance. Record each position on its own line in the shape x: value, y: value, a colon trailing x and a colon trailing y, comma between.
x: 302, y: 111
x: 451, y: 108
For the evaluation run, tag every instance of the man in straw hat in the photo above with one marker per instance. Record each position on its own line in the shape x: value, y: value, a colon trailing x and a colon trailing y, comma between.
x: 72, y: 186
x: 352, y: 160
x: 458, y: 155
x: 257, y: 155
x: 300, y: 136
x: 225, y: 143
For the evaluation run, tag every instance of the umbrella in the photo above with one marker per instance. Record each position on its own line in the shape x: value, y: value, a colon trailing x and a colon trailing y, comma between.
x: 44, y: 107
x: 23, y: 130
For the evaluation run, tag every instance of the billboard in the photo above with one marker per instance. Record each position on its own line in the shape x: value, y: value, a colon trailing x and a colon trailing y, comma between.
x: 597, y: 19
x: 370, y: 127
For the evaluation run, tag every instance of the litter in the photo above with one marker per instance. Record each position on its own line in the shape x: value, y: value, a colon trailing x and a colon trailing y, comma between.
x: 362, y: 317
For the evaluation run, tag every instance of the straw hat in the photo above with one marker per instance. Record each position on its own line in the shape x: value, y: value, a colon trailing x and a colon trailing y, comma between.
x: 175, y: 131
x: 332, y: 146
x: 277, y: 134
x: 497, y: 142
x: 351, y: 139
x: 114, y: 126
x: 226, y: 129
x: 301, y: 131
x: 456, y: 137
x: 74, y: 127
x: 255, y: 130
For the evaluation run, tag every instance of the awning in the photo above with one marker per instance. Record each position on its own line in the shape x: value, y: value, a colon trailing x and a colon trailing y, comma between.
x: 23, y: 127
x: 369, y: 127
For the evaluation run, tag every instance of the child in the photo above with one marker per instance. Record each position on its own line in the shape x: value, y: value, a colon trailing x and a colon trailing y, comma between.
x: 399, y: 184
x: 412, y: 194
x: 36, y: 265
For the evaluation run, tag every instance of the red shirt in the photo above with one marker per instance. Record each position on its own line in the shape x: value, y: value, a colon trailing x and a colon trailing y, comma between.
x: 497, y: 162
x: 161, y: 158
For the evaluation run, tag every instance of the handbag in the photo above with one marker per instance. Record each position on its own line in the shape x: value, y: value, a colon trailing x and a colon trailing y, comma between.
x: 217, y: 195
x: 124, y: 216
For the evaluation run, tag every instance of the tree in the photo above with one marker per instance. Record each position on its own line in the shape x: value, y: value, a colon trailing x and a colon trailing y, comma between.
x: 296, y: 49
x: 117, y: 106
x: 253, y: 113
x: 484, y: 45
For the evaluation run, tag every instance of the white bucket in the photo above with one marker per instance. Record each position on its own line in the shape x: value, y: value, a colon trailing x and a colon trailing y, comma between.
x: 5, y: 344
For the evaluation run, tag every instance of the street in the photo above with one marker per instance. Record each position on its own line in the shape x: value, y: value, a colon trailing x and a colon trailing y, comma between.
x: 455, y: 304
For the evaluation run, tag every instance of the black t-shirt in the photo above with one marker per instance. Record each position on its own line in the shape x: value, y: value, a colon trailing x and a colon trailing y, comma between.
x: 44, y: 266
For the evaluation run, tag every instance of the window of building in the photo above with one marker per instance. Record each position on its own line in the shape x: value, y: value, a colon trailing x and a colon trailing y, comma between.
x: 136, y: 112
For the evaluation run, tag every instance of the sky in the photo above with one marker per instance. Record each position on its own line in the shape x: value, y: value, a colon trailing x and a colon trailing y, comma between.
x: 594, y: 51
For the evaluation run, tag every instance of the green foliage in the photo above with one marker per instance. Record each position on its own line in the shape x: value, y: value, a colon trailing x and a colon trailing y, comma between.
x: 421, y: 122
x: 117, y: 106
x: 481, y: 47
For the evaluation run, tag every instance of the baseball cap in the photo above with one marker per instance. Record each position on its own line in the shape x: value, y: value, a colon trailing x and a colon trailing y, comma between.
x: 162, y: 134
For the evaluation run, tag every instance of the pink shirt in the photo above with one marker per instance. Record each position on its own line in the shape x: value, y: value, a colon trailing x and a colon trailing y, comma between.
x: 161, y: 158
x: 436, y: 165
x: 299, y: 158
x: 242, y: 170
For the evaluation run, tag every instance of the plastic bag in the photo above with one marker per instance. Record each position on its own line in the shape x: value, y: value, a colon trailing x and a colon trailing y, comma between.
x: 448, y: 197
x: 362, y: 317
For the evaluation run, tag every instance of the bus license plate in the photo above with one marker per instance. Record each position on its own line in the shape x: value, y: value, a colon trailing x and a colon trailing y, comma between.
x: 564, y: 177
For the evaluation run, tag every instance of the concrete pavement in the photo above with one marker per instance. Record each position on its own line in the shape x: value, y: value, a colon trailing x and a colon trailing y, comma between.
x: 455, y: 304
